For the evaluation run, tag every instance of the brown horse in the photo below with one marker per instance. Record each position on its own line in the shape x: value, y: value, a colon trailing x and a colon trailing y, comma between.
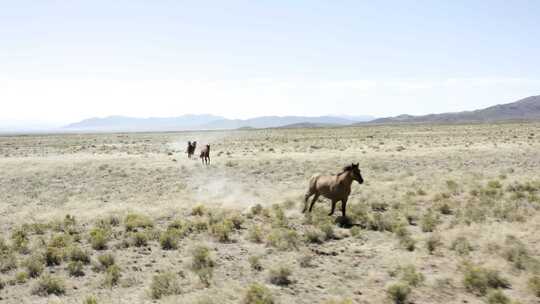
x: 191, y: 148
x: 205, y: 155
x: 334, y: 187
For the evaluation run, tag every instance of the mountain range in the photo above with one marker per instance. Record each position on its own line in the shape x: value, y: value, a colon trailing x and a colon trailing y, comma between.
x: 522, y: 110
x: 203, y: 122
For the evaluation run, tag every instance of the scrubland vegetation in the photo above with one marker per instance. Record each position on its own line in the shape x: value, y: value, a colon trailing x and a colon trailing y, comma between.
x: 447, y: 214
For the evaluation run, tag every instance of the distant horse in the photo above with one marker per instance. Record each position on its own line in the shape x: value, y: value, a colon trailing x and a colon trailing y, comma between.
x: 205, y: 155
x: 191, y: 148
x: 334, y: 187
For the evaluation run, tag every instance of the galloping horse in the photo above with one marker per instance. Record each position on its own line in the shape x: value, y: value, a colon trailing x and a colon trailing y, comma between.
x: 334, y: 187
x: 191, y: 148
x: 205, y: 155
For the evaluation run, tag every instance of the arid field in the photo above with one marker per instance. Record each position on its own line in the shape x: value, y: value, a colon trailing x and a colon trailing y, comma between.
x: 447, y: 214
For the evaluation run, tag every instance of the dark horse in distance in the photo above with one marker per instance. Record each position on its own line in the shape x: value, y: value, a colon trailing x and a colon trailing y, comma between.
x: 191, y: 148
x: 334, y: 187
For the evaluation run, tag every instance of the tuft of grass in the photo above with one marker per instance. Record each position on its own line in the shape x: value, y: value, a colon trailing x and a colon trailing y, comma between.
x: 134, y: 221
x: 53, y: 256
x: 21, y: 277
x: 112, y: 276
x: 497, y: 297
x: 140, y: 239
x: 429, y: 221
x: 164, y: 284
x: 399, y: 293
x: 256, y: 233
x: 411, y: 276
x: 222, y: 230
x: 462, y: 246
x: 90, y: 300
x: 516, y: 253
x: 202, y: 264
x: 34, y: 266
x: 258, y: 294
x: 106, y: 260
x: 76, y: 268
x: 8, y: 261
x: 314, y: 235
x: 168, y: 240
x: 283, y: 239
x: 280, y: 276
x: 255, y: 262
x: 99, y: 238
x: 198, y: 210
x: 534, y: 285
x: 433, y: 242
x: 79, y: 255
x: 479, y: 280
x: 48, y: 284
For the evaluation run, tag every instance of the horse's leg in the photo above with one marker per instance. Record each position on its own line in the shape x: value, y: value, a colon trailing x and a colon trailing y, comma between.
x: 306, y: 198
x: 333, y: 207
x: 315, y: 198
x: 343, y: 207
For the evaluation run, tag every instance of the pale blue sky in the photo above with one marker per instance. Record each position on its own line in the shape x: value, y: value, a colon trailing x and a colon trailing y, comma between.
x: 61, y: 61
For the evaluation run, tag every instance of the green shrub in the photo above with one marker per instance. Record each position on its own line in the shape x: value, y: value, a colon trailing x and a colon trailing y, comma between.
x: 134, y: 221
x: 53, y: 256
x: 255, y: 262
x: 280, y: 276
x: 90, y: 300
x: 478, y: 280
x: 75, y: 268
x: 140, y: 239
x: 20, y: 240
x: 237, y: 220
x: 255, y: 233
x: 356, y: 232
x: 8, y: 261
x: 99, y: 238
x: 534, y: 285
x: 411, y: 276
x: 198, y: 210
x: 34, y: 266
x: 21, y: 277
x: 462, y: 246
x: 328, y: 230
x: 495, y: 184
x: 516, y: 252
x: 80, y: 255
x: 202, y: 263
x: 497, y: 297
x: 222, y: 230
x: 429, y: 222
x: 283, y: 239
x: 106, y: 260
x: 164, y: 284
x: 112, y: 276
x: 258, y: 294
x: 399, y: 293
x: 279, y: 220
x: 168, y: 240
x: 314, y: 235
x: 433, y: 242
x: 48, y: 284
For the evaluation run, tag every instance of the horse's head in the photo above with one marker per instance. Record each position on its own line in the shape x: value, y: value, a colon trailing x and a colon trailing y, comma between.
x: 355, y: 172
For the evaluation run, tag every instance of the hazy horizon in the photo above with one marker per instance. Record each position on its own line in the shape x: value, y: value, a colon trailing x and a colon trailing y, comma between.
x: 62, y: 62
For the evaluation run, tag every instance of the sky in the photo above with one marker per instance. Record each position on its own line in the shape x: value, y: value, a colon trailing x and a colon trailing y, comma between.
x: 63, y: 61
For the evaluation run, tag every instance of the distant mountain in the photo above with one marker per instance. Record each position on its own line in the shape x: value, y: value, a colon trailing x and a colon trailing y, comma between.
x: 197, y: 122
x: 307, y: 125
x: 124, y: 123
x: 524, y: 109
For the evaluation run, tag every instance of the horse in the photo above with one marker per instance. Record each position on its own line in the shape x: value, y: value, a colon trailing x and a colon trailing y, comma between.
x: 334, y: 187
x: 191, y: 148
x: 205, y: 155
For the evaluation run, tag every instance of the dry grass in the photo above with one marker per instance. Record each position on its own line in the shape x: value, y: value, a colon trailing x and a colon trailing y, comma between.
x: 448, y: 214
